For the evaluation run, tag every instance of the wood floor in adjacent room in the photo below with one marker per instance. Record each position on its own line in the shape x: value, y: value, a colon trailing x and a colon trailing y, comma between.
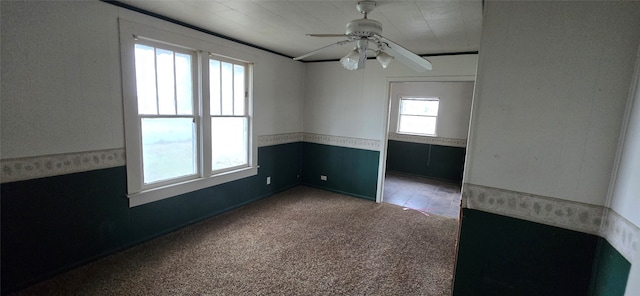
x: 426, y: 195
x: 303, y: 241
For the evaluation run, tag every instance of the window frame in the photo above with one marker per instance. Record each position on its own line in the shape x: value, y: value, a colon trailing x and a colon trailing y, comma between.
x: 174, y: 37
x: 417, y: 98
x: 247, y: 81
x: 195, y: 102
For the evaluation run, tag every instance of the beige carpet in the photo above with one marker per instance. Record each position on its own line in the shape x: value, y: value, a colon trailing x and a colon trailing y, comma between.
x: 303, y: 241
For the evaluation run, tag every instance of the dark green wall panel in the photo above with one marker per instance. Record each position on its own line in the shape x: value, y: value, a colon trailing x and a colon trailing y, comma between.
x: 611, y: 271
x: 52, y: 224
x: 500, y: 255
x: 348, y: 170
x: 433, y: 161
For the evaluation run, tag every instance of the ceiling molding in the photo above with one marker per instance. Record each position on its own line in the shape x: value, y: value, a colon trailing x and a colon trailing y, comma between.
x: 177, y: 22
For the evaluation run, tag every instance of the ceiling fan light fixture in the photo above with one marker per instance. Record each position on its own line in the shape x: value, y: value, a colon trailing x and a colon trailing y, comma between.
x: 364, y: 31
x: 384, y: 59
x: 350, y: 61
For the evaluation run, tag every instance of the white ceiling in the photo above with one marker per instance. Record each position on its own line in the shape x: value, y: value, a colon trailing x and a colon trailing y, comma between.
x: 424, y: 27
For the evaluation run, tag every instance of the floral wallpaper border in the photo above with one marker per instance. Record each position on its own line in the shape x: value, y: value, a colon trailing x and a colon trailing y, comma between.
x: 365, y: 144
x: 20, y: 169
x: 593, y: 219
x: 26, y: 168
x: 277, y: 139
x: 428, y: 140
x: 620, y: 233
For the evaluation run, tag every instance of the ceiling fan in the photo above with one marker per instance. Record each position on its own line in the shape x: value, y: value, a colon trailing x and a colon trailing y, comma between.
x: 367, y: 34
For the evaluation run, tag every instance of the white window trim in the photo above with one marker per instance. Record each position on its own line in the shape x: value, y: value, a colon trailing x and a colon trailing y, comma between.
x: 137, y: 193
x: 417, y: 98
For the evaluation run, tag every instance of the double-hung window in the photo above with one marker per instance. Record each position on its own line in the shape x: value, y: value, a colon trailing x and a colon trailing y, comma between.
x: 188, y: 115
x: 418, y: 116
x: 166, y: 112
x: 228, y: 109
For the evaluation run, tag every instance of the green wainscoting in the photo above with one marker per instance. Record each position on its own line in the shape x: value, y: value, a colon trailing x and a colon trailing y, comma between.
x: 52, y: 224
x: 427, y: 160
x: 611, y: 271
x: 350, y: 171
x: 500, y: 255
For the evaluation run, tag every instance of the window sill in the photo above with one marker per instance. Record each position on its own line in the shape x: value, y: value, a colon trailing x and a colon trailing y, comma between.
x: 419, y: 135
x: 160, y: 193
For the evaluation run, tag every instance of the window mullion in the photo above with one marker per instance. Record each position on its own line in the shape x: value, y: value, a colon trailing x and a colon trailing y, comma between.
x: 221, y: 87
x: 233, y: 89
x: 155, y: 67
x: 246, y: 90
x: 175, y: 85
x: 205, y: 112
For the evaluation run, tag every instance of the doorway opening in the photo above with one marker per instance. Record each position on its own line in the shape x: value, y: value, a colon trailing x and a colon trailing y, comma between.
x: 423, y: 170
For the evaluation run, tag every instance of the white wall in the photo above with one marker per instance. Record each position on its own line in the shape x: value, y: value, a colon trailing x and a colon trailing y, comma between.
x: 552, y: 85
x: 345, y: 103
x: 61, y: 88
x: 61, y: 81
x: 454, y: 109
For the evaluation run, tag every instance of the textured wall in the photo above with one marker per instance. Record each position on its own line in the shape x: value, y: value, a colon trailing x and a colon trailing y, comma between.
x: 551, y: 92
x: 552, y: 86
x: 61, y: 78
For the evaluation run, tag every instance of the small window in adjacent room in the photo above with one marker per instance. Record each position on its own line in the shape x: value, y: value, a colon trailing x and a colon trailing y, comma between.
x: 418, y: 116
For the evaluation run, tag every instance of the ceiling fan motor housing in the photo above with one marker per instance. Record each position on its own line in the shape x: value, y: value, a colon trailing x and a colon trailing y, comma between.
x: 364, y: 28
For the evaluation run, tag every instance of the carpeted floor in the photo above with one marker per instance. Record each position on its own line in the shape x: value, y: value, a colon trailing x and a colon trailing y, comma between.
x: 303, y: 241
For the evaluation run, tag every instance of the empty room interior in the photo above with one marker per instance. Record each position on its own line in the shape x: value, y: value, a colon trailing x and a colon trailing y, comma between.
x: 141, y: 127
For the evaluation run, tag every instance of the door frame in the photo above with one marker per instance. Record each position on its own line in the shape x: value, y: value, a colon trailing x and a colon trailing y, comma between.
x: 385, y: 127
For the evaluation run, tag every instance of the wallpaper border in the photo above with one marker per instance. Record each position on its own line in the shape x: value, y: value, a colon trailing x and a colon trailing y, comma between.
x: 277, y: 139
x: 357, y: 143
x: 587, y: 218
x: 20, y: 169
x: 26, y: 168
x: 428, y: 140
x: 623, y: 235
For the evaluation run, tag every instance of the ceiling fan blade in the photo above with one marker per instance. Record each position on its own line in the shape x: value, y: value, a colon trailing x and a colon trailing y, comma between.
x: 328, y: 35
x: 322, y: 48
x: 405, y: 56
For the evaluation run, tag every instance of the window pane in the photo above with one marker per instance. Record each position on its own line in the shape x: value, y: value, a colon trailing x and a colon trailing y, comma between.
x: 419, y: 107
x: 184, y: 86
x: 168, y: 148
x: 238, y: 90
x: 166, y: 88
x: 229, y: 137
x: 227, y: 88
x: 146, y: 79
x: 214, y: 87
x: 417, y: 124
